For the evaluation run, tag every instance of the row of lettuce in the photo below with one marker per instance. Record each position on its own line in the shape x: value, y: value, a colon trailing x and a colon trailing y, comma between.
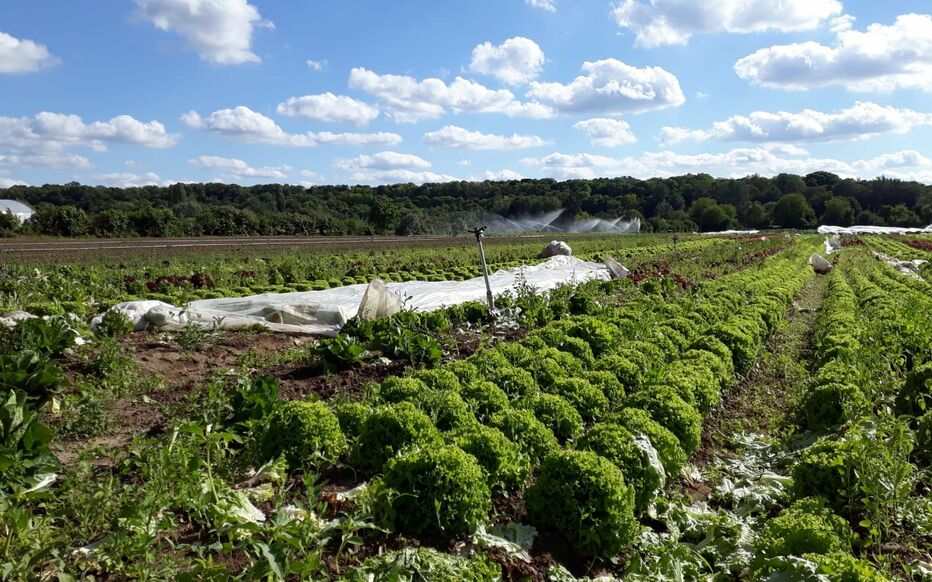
x: 597, y: 411
x: 858, y: 487
x: 88, y: 289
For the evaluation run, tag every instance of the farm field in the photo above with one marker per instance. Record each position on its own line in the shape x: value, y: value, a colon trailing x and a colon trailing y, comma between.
x: 723, y: 413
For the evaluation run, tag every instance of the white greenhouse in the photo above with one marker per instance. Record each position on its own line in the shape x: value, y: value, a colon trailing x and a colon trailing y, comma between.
x: 22, y: 211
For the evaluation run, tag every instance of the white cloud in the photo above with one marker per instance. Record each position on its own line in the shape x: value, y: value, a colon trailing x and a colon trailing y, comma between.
x: 390, y: 167
x: 10, y: 182
x: 673, y: 22
x: 452, y: 136
x: 23, y: 56
x: 235, y: 168
x: 244, y: 124
x: 129, y: 180
x: 701, y: 95
x: 880, y: 59
x: 501, y: 175
x: 316, y: 65
x: 612, y: 87
x: 219, y: 30
x: 330, y: 108
x: 42, y: 140
x: 608, y: 86
x: 572, y: 166
x: 860, y: 121
x: 49, y: 160
x: 516, y: 61
x: 407, y: 100
x: 384, y: 161
x: 763, y: 160
x: 605, y: 132
x: 464, y: 163
x: 546, y: 5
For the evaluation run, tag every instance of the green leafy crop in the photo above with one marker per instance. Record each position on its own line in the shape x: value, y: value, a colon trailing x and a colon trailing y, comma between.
x: 307, y: 433
x: 584, y: 497
x: 434, y: 489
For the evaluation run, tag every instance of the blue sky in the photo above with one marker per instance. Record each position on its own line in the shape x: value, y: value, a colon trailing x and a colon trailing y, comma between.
x: 129, y: 92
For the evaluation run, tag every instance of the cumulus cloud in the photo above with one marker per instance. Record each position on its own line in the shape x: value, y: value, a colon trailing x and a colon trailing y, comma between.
x: 407, y: 100
x: 390, y: 167
x: 546, y: 5
x: 235, y: 168
x: 673, y: 22
x: 766, y: 160
x: 384, y: 161
x: 605, y: 132
x: 316, y: 65
x: 572, y: 166
x: 501, y: 175
x: 48, y: 160
x: 42, y: 140
x: 452, y: 136
x: 129, y: 180
x: 23, y: 56
x: 6, y: 182
x: 880, y: 59
x: 220, y: 31
x: 860, y: 121
x: 610, y: 86
x: 516, y: 61
x: 243, y: 124
x: 330, y: 108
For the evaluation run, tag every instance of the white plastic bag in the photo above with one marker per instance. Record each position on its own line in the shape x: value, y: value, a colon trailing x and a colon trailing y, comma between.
x: 617, y: 270
x: 819, y: 264
x: 378, y: 302
x: 555, y: 248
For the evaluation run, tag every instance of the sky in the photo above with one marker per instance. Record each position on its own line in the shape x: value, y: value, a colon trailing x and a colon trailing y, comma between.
x: 135, y: 92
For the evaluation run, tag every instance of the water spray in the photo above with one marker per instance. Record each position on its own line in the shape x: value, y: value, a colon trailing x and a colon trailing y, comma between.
x: 480, y: 234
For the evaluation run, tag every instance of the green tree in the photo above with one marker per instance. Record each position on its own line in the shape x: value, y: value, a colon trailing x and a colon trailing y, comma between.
x: 838, y: 212
x: 712, y: 216
x: 60, y: 220
x: 9, y: 224
x: 789, y: 183
x: 755, y: 216
x: 901, y: 215
x: 111, y: 223
x: 792, y: 211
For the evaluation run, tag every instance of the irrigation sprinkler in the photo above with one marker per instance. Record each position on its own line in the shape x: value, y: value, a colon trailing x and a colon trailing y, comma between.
x: 480, y: 234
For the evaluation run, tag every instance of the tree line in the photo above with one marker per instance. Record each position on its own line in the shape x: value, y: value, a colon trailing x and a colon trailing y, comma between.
x: 693, y: 202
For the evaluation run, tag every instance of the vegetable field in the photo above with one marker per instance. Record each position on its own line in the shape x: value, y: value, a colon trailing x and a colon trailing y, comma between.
x: 723, y: 413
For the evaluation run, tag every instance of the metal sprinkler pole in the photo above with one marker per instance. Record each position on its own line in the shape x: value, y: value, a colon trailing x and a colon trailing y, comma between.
x: 480, y: 233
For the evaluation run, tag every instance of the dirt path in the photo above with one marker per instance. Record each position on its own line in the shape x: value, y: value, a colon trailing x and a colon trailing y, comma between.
x: 761, y: 402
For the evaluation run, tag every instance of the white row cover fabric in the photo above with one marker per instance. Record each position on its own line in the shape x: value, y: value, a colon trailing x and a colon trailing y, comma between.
x: 726, y: 232
x: 907, y: 268
x: 819, y: 264
x: 325, y: 312
x: 866, y: 229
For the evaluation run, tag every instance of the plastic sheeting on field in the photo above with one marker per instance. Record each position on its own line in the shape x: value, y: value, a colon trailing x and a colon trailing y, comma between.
x: 832, y: 244
x: 819, y: 264
x: 908, y: 268
x: 325, y: 312
x: 866, y: 229
x: 728, y: 232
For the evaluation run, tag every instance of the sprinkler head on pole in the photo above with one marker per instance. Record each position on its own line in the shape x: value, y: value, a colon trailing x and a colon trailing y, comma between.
x: 479, y: 232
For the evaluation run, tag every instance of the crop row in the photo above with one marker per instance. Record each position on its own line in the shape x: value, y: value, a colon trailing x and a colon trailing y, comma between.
x: 601, y: 408
x: 899, y: 248
x: 87, y: 289
x: 851, y: 486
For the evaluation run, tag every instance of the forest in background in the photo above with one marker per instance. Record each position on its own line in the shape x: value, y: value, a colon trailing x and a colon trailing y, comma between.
x: 694, y: 202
